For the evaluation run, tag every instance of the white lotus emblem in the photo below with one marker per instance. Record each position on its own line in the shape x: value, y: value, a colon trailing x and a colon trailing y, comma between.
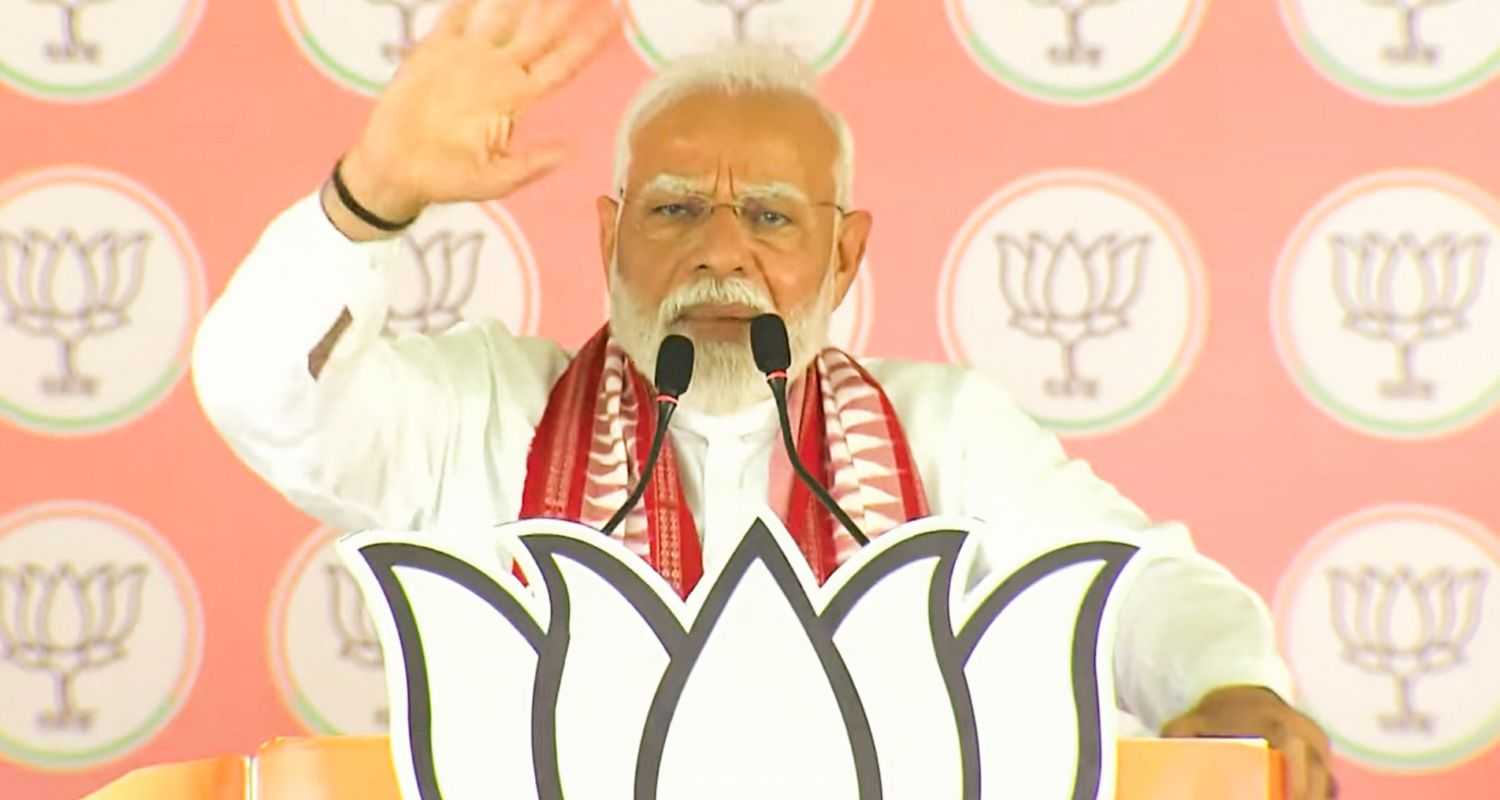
x: 895, y: 679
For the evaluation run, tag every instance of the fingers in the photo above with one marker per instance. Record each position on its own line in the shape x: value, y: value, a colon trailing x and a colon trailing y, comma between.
x: 543, y: 23
x: 1306, y: 750
x: 1308, y: 774
x: 455, y: 17
x: 1184, y: 727
x: 1320, y: 752
x: 1320, y: 783
x: 574, y: 50
x: 1235, y: 711
x: 497, y: 136
x: 1304, y: 735
x: 1295, y: 752
x: 505, y: 175
x: 498, y: 21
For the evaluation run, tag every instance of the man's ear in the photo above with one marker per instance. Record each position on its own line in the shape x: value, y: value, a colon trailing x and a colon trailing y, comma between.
x: 608, y: 209
x: 854, y: 231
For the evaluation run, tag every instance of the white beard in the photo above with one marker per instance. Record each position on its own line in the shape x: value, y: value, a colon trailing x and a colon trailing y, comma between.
x: 725, y: 378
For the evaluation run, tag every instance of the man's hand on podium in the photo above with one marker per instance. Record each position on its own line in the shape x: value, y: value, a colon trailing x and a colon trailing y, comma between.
x: 1258, y: 711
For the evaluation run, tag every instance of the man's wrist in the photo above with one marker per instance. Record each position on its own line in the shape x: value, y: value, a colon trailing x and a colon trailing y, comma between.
x: 367, y: 209
x: 1240, y: 690
x: 347, y: 223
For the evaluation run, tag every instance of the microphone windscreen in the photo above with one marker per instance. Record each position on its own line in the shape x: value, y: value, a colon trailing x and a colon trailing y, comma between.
x: 674, y: 365
x: 769, y: 344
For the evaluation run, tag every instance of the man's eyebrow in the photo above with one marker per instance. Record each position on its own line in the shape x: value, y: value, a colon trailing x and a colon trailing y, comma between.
x: 667, y: 182
x: 770, y: 190
x: 773, y: 190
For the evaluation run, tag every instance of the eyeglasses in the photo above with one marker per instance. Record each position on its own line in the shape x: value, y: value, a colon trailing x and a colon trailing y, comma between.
x: 670, y: 216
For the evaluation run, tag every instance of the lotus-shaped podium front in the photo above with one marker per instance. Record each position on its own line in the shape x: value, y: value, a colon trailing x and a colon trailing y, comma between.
x: 914, y: 672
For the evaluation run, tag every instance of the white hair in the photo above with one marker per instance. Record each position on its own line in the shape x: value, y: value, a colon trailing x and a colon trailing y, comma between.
x: 735, y: 68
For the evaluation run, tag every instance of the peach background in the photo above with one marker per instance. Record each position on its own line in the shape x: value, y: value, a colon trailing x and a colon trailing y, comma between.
x: 1240, y: 138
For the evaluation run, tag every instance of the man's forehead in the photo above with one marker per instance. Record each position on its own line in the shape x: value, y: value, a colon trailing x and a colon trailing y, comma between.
x: 770, y: 140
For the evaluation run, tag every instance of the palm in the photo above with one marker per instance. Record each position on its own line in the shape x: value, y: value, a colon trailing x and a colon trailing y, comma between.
x: 439, y: 132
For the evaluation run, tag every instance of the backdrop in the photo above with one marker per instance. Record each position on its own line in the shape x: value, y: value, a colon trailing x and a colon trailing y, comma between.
x: 1240, y: 255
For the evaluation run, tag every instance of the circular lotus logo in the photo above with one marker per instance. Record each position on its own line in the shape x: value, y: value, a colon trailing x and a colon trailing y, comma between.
x: 1385, y: 306
x: 100, y: 291
x: 1391, y: 621
x: 463, y: 261
x: 1082, y: 292
x: 849, y: 330
x: 821, y: 33
x: 1075, y: 51
x: 324, y: 652
x: 79, y: 50
x: 1399, y: 51
x: 359, y: 43
x: 101, y: 635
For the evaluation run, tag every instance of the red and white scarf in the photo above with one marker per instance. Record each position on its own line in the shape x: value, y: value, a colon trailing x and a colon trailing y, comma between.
x: 593, y: 439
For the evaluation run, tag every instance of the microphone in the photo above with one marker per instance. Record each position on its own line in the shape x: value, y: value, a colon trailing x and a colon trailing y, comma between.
x: 773, y: 356
x: 674, y: 371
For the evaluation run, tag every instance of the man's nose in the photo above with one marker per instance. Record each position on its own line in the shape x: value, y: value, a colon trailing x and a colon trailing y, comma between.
x: 724, y: 246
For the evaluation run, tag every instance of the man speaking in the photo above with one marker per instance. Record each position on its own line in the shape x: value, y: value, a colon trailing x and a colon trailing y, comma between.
x: 731, y: 199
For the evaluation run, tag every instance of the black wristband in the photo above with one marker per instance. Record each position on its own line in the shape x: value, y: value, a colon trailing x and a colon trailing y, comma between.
x: 365, y: 214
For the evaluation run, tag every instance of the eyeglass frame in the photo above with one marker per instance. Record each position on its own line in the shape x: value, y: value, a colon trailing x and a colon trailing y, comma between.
x: 738, y: 208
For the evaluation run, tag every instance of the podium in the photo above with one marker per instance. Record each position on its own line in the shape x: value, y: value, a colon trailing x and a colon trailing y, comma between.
x: 544, y: 657
x: 359, y: 768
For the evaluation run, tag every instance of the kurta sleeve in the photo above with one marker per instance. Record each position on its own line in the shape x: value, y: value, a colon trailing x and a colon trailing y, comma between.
x: 1186, y: 626
x: 390, y: 426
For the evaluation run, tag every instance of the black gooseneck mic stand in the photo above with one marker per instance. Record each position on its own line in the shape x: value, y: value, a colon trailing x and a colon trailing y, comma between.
x: 674, y: 371
x: 773, y: 356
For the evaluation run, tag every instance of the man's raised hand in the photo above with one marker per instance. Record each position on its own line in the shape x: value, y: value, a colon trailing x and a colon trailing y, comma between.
x: 441, y: 130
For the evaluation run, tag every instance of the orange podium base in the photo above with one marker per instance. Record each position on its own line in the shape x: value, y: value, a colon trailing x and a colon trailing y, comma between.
x: 359, y: 768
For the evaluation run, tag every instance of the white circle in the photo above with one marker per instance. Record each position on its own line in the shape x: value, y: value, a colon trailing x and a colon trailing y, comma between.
x: 1448, y: 48
x: 74, y: 52
x: 1081, y: 292
x: 325, y: 653
x: 1075, y: 51
x: 821, y: 33
x: 463, y: 261
x: 1387, y: 306
x: 1390, y: 593
x: 359, y: 45
x: 103, y: 633
x: 100, y: 292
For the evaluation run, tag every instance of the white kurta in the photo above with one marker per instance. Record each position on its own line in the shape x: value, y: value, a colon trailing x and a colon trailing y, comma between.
x: 433, y: 432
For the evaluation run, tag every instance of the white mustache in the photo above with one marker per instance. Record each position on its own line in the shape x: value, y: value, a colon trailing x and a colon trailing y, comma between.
x: 714, y: 291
